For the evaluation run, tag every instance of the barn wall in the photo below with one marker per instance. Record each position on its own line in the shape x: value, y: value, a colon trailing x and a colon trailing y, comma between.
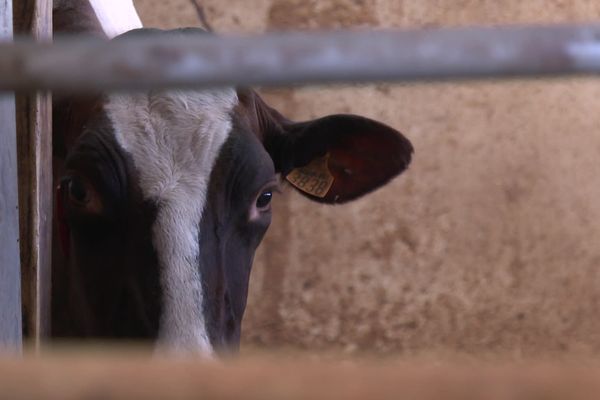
x: 489, y: 242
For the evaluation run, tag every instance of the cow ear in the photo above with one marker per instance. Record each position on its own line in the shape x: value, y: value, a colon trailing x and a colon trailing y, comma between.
x: 333, y: 159
x: 75, y: 16
x: 339, y: 158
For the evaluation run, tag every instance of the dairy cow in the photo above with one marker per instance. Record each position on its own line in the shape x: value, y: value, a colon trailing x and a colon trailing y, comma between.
x: 164, y: 195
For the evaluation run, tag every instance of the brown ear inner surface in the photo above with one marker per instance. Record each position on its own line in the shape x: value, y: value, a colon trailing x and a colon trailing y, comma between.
x: 358, y: 164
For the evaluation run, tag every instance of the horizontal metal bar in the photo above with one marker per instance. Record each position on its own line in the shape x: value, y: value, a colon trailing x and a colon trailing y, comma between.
x: 119, y: 373
x: 293, y: 58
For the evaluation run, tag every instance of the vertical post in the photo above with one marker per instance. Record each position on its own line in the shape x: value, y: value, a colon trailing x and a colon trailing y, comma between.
x: 10, y: 277
x: 34, y: 141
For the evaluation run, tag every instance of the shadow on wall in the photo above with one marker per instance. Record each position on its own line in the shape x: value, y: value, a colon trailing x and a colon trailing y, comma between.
x: 488, y: 243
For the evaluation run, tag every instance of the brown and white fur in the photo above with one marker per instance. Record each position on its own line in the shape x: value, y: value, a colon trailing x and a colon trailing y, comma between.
x: 164, y: 195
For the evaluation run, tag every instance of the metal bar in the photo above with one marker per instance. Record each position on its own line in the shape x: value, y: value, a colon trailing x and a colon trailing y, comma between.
x: 123, y: 375
x: 10, y: 272
x: 34, y: 141
x: 292, y: 58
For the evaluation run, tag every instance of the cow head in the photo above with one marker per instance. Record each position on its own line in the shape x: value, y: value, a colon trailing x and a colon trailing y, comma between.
x: 163, y: 197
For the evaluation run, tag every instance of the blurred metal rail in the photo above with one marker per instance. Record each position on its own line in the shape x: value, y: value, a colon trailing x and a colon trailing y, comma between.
x: 119, y: 373
x: 76, y: 64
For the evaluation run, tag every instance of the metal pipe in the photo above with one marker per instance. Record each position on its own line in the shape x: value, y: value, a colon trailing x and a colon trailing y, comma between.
x: 120, y: 373
x: 10, y: 271
x: 76, y: 64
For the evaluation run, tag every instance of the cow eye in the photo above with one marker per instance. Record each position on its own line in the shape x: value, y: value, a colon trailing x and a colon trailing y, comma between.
x: 260, y: 208
x: 78, y: 193
x: 81, y: 195
x: 264, y: 200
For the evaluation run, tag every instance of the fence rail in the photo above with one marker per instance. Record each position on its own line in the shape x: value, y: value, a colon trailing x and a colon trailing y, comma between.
x: 294, y: 58
x: 126, y: 376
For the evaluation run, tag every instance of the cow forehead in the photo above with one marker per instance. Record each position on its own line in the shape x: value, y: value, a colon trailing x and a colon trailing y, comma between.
x: 171, y: 134
x: 174, y: 138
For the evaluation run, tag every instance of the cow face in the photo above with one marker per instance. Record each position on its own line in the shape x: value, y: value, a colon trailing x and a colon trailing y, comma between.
x: 163, y: 197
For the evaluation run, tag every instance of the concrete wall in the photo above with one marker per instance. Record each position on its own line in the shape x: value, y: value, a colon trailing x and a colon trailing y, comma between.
x: 489, y: 243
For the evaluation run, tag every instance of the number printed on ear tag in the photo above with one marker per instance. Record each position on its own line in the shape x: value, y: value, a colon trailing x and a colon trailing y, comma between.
x: 314, y: 178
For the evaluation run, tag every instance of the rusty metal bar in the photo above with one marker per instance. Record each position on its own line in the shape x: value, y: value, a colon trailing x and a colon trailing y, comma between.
x: 34, y: 143
x: 309, y: 57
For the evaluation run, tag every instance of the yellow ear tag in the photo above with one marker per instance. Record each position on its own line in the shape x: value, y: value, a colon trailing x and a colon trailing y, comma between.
x: 314, y: 178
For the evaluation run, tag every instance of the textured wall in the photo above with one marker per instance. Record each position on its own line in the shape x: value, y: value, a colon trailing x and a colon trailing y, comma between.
x: 488, y: 243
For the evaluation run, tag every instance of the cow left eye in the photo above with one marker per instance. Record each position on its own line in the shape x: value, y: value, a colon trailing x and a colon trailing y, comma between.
x: 264, y: 200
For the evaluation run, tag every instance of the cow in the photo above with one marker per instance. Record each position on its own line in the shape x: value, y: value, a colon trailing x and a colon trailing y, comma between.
x: 164, y: 195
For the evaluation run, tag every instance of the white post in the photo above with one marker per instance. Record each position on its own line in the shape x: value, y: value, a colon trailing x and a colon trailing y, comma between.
x: 116, y: 16
x: 10, y: 272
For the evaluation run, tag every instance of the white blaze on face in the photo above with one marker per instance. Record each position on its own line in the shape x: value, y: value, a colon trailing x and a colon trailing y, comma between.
x: 174, y: 139
x: 116, y: 16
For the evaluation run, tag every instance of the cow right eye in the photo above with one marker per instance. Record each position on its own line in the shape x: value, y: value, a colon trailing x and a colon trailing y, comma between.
x: 81, y: 195
x: 77, y: 192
